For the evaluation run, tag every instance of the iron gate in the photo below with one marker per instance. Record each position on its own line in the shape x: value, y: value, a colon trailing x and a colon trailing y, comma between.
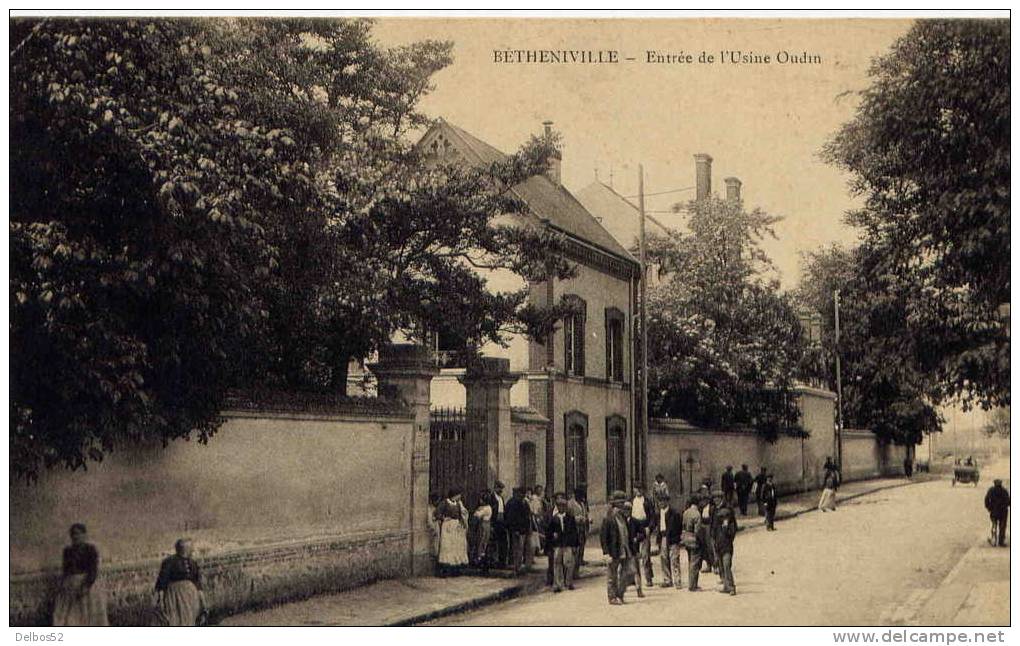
x: 457, y: 448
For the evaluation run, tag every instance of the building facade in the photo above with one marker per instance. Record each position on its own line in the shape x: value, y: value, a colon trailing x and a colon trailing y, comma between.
x: 573, y: 399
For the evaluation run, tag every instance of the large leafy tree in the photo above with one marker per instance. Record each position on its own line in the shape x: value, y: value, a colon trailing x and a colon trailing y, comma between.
x: 198, y: 204
x: 929, y: 152
x: 884, y: 388
x: 724, y: 343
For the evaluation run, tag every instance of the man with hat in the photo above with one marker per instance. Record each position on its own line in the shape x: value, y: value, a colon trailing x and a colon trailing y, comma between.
x: 637, y: 532
x: 997, y: 504
x: 615, y: 540
x: 500, y: 534
x: 667, y: 526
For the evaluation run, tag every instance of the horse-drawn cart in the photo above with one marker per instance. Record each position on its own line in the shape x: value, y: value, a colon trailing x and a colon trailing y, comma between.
x: 966, y: 471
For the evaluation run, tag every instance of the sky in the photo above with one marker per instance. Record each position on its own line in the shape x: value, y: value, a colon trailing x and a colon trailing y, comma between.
x: 762, y: 123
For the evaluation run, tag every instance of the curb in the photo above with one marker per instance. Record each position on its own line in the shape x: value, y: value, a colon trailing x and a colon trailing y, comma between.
x: 531, y: 587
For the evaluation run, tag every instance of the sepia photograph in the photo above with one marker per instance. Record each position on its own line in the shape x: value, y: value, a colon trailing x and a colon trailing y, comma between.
x: 437, y: 319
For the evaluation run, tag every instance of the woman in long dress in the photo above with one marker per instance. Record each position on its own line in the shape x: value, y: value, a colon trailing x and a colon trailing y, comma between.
x: 483, y: 531
x: 179, y: 597
x: 80, y: 599
x: 452, y: 518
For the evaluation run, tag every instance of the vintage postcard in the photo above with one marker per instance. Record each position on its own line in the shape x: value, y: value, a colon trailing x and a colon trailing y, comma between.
x: 438, y: 320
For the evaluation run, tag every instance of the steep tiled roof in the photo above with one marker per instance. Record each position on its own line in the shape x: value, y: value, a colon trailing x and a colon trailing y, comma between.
x: 545, y: 199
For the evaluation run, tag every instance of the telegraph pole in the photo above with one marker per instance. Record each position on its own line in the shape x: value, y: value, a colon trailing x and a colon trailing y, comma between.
x: 839, y: 390
x: 643, y: 456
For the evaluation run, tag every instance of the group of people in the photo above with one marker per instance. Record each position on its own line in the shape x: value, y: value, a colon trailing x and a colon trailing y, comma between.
x: 700, y: 532
x: 81, y: 601
x: 509, y: 533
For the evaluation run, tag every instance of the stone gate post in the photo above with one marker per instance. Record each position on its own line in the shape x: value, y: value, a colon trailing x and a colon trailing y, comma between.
x: 405, y: 373
x: 487, y: 381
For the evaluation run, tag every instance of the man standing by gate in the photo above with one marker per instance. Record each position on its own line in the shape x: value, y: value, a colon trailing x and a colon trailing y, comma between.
x: 518, y: 522
x: 499, y: 531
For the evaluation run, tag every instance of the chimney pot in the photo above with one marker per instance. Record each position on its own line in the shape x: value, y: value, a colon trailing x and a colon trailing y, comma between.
x: 703, y: 175
x: 733, y: 188
x: 555, y: 159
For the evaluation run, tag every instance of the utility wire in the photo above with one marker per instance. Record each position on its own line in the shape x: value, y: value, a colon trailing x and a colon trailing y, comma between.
x: 675, y: 190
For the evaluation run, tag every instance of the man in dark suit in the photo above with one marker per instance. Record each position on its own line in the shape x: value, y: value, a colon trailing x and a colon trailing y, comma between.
x: 997, y: 504
x: 518, y: 522
x: 667, y: 526
x: 724, y: 532
x: 771, y: 501
x: 729, y: 486
x: 745, y: 482
x: 499, y: 530
x: 615, y: 540
x: 563, y: 537
x: 759, y: 482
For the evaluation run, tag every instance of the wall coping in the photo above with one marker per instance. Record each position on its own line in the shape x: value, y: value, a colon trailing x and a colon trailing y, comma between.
x: 249, y: 403
x: 213, y: 558
x: 802, y: 389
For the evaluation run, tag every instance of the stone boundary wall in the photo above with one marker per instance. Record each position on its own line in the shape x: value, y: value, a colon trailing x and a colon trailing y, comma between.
x: 236, y: 580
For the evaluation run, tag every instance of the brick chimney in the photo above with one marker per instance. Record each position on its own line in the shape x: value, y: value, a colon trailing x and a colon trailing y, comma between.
x: 732, y: 189
x: 703, y: 173
x: 555, y: 159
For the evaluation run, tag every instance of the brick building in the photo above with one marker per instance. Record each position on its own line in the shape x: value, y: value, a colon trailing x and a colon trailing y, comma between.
x: 573, y: 400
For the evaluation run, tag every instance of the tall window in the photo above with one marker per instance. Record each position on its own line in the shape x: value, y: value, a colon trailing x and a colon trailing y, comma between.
x: 576, y: 431
x: 573, y: 335
x: 614, y: 344
x: 528, y: 464
x: 616, y: 454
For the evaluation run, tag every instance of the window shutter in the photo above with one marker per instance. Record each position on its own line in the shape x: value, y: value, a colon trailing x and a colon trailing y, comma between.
x: 579, y: 335
x: 618, y: 357
x: 610, y: 358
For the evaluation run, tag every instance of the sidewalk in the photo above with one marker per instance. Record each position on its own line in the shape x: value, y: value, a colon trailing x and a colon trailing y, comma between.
x: 404, y: 602
x: 413, y: 601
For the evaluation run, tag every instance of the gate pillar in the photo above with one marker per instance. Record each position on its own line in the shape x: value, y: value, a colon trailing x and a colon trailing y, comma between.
x: 405, y: 373
x: 487, y: 381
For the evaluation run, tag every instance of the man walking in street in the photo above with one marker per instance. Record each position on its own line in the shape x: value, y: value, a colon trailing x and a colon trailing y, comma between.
x: 729, y: 487
x: 562, y: 536
x: 770, y: 500
x: 615, y: 540
x: 667, y: 527
x: 642, y: 511
x: 499, y: 531
x: 745, y: 482
x: 577, y: 506
x: 759, y: 487
x: 518, y: 522
x: 690, y: 529
x: 997, y: 504
x: 725, y: 531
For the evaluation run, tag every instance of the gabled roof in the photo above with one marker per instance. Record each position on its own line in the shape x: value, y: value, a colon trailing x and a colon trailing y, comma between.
x: 620, y: 217
x: 546, y: 199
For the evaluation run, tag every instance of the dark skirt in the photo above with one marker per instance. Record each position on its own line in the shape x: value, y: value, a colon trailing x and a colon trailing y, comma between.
x: 77, y: 605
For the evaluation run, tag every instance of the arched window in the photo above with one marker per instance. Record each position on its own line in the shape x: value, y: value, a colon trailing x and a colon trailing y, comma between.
x: 528, y: 465
x: 575, y: 428
x: 573, y: 335
x: 616, y: 454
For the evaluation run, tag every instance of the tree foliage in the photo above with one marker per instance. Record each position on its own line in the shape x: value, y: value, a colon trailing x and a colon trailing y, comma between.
x: 201, y: 204
x: 884, y: 387
x: 928, y: 151
x: 724, y: 343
